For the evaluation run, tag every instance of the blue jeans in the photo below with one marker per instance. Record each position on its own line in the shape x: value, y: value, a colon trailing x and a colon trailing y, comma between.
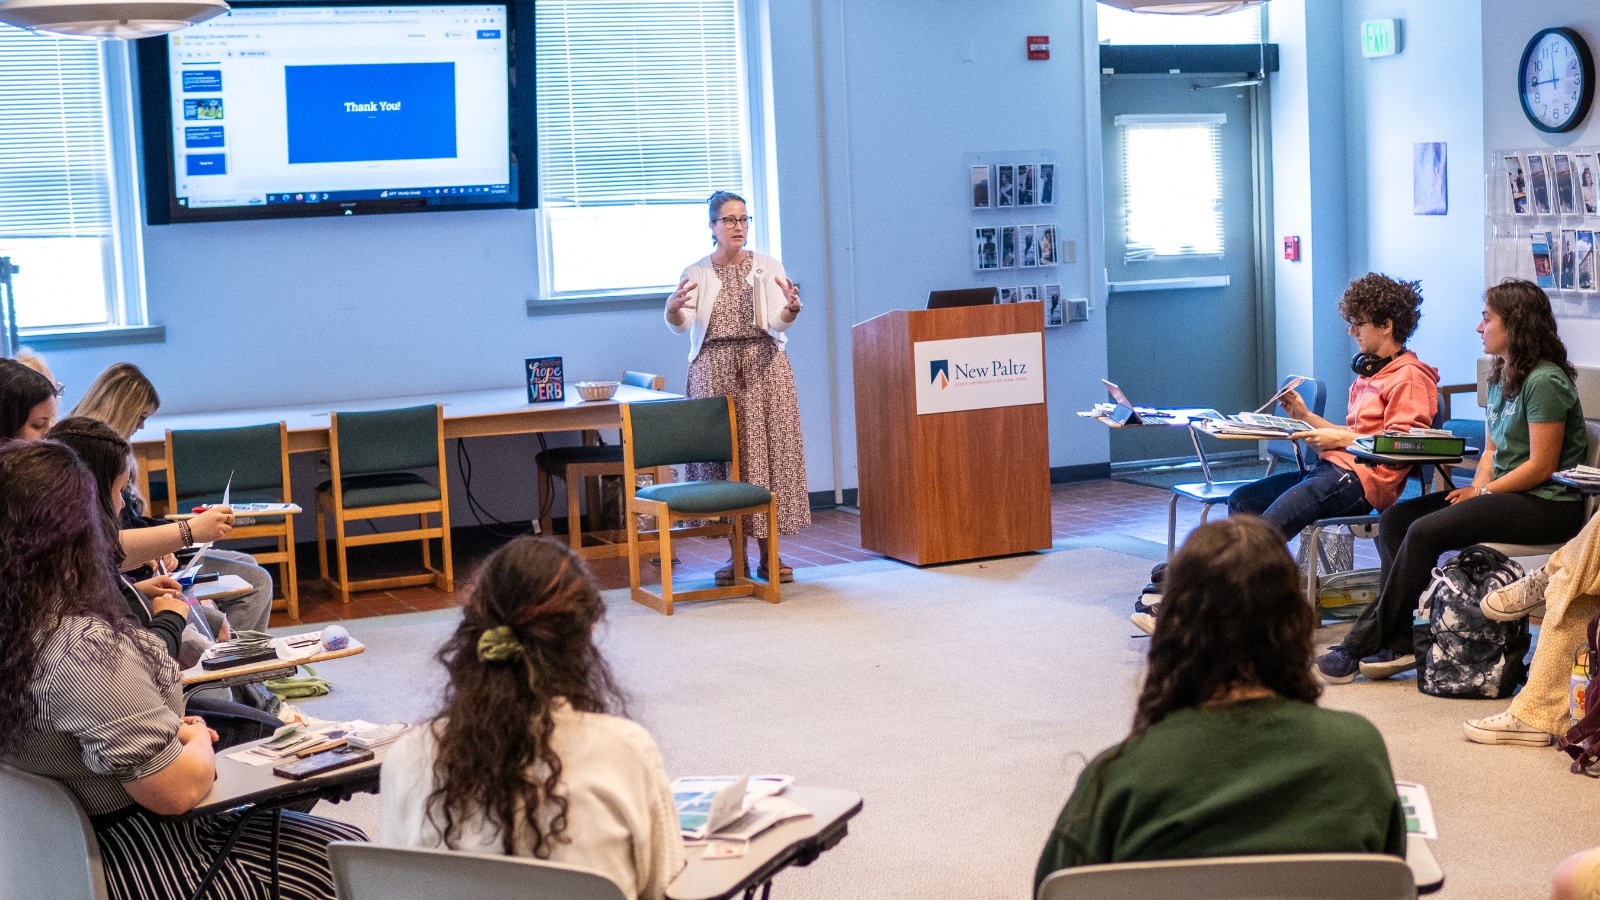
x: 1291, y: 501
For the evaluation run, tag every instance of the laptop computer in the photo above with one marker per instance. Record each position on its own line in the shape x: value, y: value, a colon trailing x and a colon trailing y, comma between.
x: 962, y: 297
x: 1125, y: 414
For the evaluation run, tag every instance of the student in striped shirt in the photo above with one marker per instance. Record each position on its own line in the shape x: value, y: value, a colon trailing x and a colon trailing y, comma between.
x: 90, y: 699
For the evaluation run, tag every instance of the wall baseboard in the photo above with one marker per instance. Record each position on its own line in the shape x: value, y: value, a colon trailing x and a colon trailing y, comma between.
x: 824, y: 499
x: 1088, y: 472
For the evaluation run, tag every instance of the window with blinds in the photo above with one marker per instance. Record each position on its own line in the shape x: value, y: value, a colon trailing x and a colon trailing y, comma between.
x: 641, y: 115
x: 1172, y: 185
x: 56, y: 210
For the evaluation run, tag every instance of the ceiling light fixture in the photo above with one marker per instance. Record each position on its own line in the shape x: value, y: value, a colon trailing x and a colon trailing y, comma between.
x: 1183, y: 7
x: 115, y: 19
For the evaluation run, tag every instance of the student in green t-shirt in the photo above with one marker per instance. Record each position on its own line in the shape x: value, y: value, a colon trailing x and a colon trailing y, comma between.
x: 1535, y: 429
x: 1229, y: 753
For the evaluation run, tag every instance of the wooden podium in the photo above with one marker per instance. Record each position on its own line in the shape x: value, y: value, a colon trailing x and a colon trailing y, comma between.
x: 947, y: 486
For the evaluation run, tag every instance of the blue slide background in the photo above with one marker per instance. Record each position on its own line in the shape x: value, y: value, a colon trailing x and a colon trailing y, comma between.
x: 320, y: 130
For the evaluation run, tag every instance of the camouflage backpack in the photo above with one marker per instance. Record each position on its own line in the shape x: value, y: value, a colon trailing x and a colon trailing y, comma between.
x: 1460, y: 653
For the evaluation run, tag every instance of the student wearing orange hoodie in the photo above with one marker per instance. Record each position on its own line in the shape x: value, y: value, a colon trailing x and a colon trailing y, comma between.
x: 1393, y: 390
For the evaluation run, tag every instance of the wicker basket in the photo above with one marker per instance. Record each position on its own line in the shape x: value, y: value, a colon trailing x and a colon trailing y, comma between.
x: 597, y: 390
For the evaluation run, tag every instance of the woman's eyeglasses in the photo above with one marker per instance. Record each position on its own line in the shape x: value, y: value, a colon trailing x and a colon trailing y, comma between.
x: 732, y: 222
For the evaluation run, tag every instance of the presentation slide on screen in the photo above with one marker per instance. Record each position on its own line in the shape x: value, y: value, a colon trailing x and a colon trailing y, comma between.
x: 319, y: 104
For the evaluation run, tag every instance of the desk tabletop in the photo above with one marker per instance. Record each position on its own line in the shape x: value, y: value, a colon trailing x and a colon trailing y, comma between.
x: 316, y: 416
x: 794, y: 842
x: 286, y: 660
x: 1398, y: 459
x: 240, y: 784
x: 1586, y: 488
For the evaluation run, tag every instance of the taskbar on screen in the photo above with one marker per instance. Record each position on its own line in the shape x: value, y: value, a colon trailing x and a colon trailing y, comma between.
x: 475, y: 191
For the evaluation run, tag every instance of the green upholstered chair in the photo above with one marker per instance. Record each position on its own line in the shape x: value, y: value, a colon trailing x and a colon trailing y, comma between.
x: 575, y: 466
x: 669, y: 432
x: 200, y: 464
x: 371, y: 454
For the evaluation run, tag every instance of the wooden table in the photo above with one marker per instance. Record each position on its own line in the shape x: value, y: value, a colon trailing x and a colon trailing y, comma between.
x: 797, y: 842
x: 198, y: 678
x: 469, y: 414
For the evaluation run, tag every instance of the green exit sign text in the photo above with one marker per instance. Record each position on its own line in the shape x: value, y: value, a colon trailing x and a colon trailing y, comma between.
x: 1378, y: 38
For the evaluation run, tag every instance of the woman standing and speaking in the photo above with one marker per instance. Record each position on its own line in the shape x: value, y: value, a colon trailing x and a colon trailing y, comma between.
x: 736, y: 305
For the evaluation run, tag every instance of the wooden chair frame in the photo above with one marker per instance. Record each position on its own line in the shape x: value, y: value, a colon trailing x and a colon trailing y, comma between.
x: 284, y: 556
x: 577, y: 477
x: 332, y: 503
x: 767, y: 589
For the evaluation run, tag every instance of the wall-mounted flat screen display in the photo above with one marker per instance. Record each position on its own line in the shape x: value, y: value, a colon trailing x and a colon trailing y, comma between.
x: 305, y: 110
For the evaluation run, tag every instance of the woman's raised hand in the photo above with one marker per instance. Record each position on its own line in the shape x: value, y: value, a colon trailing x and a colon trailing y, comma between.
x: 212, y: 525
x: 681, y: 300
x: 791, y: 293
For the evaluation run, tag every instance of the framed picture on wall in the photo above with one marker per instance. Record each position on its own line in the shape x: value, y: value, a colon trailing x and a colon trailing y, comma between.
x: 1008, y: 247
x: 1543, y: 275
x: 1516, y: 186
x: 988, y: 256
x: 1030, y: 292
x: 1008, y: 295
x: 1047, y: 184
x: 980, y: 187
x: 1025, y: 185
x: 1054, y: 312
x: 1566, y: 201
x: 1047, y: 245
x: 1584, y: 162
x: 1430, y: 195
x: 1005, y: 179
x: 1538, y: 184
x: 1027, y: 245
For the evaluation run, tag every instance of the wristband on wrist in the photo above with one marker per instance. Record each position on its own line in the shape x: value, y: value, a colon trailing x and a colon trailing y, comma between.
x: 186, y: 534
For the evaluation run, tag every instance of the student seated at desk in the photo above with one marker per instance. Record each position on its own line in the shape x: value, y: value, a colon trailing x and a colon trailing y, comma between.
x: 157, y: 604
x: 90, y: 699
x: 123, y: 398
x: 27, y: 402
x: 1534, y: 429
x: 1230, y: 754
x: 524, y: 759
x: 1393, y: 390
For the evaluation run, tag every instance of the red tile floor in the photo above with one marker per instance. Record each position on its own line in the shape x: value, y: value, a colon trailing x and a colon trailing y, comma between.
x: 1077, y: 510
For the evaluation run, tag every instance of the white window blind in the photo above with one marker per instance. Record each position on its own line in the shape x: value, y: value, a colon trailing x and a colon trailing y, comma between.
x: 56, y: 216
x: 1172, y: 185
x: 639, y: 101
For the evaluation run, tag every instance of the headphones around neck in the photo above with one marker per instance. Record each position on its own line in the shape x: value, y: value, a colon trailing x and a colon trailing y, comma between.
x: 1367, y: 365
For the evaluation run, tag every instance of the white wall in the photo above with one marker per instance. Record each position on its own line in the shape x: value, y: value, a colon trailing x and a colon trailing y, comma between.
x: 1386, y: 111
x: 313, y: 310
x: 1507, y: 28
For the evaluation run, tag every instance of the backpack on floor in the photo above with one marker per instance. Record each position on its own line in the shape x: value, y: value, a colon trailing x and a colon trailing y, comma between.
x: 1460, y: 653
x: 1582, y: 741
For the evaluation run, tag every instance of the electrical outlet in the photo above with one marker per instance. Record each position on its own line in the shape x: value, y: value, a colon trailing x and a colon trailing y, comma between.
x: 1077, y: 310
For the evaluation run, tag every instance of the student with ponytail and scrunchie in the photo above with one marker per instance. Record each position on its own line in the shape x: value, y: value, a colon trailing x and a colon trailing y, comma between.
x: 525, y: 758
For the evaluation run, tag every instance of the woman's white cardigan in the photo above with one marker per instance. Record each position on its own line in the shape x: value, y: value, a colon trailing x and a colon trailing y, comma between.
x: 769, y: 300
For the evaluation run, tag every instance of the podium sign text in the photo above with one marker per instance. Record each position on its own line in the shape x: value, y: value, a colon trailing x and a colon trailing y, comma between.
x: 978, y: 372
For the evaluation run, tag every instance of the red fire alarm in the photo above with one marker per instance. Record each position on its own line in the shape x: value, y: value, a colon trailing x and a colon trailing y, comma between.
x: 1038, y: 46
x: 1291, y: 248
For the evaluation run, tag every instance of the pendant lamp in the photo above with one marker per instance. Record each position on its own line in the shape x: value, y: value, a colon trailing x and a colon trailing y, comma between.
x: 115, y: 19
x: 1183, y: 7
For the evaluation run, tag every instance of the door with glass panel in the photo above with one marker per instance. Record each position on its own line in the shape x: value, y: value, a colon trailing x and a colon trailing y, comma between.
x: 1184, y: 323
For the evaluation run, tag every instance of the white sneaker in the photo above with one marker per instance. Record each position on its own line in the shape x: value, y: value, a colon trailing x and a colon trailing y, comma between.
x: 1523, y: 597
x: 1505, y: 729
x: 1145, y: 622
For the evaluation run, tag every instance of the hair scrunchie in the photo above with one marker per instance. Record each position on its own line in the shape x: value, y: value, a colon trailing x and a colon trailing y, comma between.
x: 499, y: 644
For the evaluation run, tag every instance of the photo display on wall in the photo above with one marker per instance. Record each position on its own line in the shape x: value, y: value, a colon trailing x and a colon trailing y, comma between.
x: 1013, y: 196
x: 1543, y: 223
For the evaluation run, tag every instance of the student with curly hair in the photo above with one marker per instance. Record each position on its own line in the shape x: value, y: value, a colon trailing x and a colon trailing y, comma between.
x: 526, y: 757
x: 1230, y: 754
x: 1535, y: 428
x: 1393, y: 390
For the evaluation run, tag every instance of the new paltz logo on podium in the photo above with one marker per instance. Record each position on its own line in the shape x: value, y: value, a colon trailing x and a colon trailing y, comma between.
x: 979, y: 372
x: 544, y: 379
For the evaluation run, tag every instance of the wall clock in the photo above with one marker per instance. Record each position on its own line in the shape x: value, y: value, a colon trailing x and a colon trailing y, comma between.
x: 1556, y: 80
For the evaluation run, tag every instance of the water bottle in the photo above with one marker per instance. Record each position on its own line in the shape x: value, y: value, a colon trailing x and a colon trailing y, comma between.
x: 1577, y: 694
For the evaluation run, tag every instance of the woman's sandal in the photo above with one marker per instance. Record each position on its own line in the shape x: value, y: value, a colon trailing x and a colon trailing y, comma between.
x: 785, y: 574
x: 724, y: 575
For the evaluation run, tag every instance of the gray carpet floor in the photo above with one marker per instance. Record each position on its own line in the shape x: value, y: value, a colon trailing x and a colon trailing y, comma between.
x: 961, y: 701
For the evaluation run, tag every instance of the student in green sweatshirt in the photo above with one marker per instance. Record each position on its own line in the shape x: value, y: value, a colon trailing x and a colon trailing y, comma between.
x: 1229, y: 754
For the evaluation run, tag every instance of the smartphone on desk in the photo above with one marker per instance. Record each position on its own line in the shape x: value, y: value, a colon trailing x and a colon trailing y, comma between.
x: 232, y: 658
x: 327, y: 761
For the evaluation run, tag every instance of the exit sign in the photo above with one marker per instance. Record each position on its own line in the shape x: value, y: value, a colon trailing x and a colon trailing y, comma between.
x: 1378, y: 38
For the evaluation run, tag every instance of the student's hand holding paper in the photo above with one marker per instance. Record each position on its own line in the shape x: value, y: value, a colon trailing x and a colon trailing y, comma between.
x: 1326, y: 438
x: 161, y: 584
x: 1293, y: 405
x: 212, y: 525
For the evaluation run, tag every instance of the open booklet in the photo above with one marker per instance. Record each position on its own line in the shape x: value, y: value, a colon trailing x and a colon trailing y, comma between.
x: 1247, y: 424
x: 733, y: 809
